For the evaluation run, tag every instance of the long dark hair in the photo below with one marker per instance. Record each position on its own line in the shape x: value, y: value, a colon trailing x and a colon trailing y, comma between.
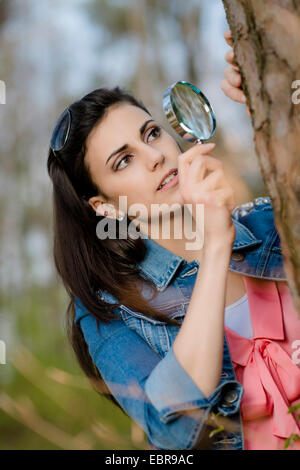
x: 84, y: 262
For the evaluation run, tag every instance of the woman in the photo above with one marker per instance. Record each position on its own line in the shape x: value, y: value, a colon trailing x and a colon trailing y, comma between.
x: 142, y: 319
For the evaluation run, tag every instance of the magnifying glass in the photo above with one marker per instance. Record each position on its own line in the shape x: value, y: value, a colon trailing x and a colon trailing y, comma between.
x: 189, y: 112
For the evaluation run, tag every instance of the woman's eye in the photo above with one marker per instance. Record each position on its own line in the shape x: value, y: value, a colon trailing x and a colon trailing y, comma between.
x: 155, y: 132
x: 122, y: 159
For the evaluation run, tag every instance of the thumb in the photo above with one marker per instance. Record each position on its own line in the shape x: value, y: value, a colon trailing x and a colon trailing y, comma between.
x: 205, y: 148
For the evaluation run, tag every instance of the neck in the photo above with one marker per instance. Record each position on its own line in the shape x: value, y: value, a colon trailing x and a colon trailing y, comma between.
x: 180, y: 236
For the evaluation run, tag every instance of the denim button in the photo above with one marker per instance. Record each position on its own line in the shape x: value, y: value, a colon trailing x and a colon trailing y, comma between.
x: 238, y: 256
x: 244, y: 209
x: 243, y: 212
x: 248, y: 205
x: 262, y: 200
x: 224, y: 374
x: 230, y: 397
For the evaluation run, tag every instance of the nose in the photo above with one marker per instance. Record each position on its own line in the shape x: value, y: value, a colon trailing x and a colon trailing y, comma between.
x: 153, y: 157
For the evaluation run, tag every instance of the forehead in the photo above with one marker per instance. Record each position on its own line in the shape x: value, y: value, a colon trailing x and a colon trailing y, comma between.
x: 120, y: 124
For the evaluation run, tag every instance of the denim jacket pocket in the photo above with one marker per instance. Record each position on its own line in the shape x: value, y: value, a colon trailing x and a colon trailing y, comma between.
x: 158, y: 334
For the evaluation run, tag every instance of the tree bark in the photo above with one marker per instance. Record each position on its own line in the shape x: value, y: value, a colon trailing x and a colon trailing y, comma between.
x: 266, y: 36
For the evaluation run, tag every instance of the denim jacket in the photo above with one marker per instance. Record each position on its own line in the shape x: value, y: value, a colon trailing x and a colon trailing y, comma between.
x: 134, y: 353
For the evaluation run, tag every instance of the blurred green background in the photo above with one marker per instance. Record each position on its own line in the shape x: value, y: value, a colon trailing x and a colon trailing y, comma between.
x: 52, y: 53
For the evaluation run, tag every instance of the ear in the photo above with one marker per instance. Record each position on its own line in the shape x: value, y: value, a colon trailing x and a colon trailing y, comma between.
x: 96, y: 203
x: 101, y: 207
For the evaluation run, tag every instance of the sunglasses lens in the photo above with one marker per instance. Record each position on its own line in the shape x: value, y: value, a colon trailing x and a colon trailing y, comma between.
x: 61, y: 131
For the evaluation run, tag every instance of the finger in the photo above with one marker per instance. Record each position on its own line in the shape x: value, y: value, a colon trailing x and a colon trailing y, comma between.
x: 185, y: 159
x: 236, y: 94
x: 200, y: 165
x: 215, y: 180
x: 228, y: 37
x: 221, y: 197
x: 234, y: 78
x: 202, y: 149
x: 248, y: 110
x: 230, y: 59
x: 228, y: 34
x: 201, y: 153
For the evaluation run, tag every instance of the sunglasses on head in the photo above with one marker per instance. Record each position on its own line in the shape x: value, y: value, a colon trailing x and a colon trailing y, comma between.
x: 61, y: 131
x: 60, y: 137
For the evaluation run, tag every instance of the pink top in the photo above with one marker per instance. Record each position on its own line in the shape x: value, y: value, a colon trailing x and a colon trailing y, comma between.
x: 268, y: 366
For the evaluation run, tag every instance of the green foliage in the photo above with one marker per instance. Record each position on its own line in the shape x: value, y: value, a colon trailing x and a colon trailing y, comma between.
x: 45, y: 392
x: 294, y: 437
x: 216, y: 431
x: 289, y: 441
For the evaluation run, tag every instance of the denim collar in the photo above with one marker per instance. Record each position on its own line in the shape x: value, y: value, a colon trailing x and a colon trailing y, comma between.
x: 160, y: 264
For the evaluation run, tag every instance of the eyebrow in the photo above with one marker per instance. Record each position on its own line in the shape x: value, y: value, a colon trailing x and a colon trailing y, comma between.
x: 124, y: 147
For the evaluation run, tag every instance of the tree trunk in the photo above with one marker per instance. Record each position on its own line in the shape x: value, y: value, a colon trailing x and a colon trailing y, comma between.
x: 266, y: 36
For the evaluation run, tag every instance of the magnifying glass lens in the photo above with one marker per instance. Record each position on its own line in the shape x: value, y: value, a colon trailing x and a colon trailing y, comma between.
x: 192, y: 112
x: 189, y: 111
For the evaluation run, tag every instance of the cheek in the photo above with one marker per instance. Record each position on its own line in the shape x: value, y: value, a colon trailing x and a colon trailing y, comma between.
x: 143, y: 195
x: 172, y: 147
x: 140, y: 198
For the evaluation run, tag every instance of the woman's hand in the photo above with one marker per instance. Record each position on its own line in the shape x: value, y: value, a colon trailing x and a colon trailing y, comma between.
x: 212, y: 189
x: 231, y: 85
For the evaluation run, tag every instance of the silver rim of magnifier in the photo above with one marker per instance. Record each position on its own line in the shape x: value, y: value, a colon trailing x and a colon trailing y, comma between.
x: 169, y: 112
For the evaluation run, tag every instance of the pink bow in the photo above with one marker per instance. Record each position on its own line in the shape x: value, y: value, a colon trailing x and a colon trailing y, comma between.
x: 270, y: 379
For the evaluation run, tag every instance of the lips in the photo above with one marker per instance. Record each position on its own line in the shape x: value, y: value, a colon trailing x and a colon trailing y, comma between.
x: 166, y: 175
